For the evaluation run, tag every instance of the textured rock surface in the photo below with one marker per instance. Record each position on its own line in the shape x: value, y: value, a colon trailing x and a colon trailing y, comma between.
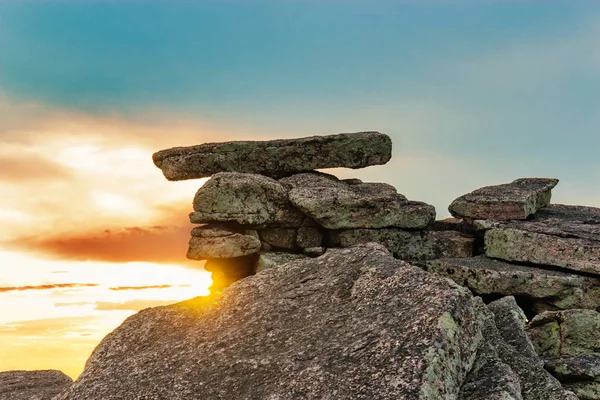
x: 584, y: 367
x: 352, y: 324
x: 407, y: 245
x: 515, y: 200
x: 565, y: 333
x: 534, y: 381
x: 275, y: 259
x: 485, y: 276
x: 32, y: 385
x: 275, y: 158
x: 559, y: 235
x: 335, y: 204
x: 218, y: 242
x: 247, y: 199
x: 585, y: 390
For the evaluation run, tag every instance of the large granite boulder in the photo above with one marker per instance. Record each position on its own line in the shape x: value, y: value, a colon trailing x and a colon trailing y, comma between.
x: 580, y: 374
x: 565, y: 333
x: 220, y: 242
x: 275, y: 158
x: 246, y: 199
x: 32, y: 385
x: 546, y: 289
x: 335, y: 204
x: 559, y: 235
x: 407, y: 245
x: 351, y: 324
x: 503, y: 371
x: 516, y: 200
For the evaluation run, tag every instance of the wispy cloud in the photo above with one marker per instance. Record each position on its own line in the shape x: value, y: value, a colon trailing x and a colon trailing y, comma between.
x: 52, y: 286
x: 122, y: 288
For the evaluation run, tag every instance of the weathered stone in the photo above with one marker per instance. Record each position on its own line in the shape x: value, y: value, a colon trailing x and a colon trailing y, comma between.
x: 516, y: 200
x: 565, y: 333
x: 283, y: 238
x: 585, y: 390
x: 207, y: 242
x: 407, y: 245
x: 334, y: 204
x: 559, y: 235
x: 453, y: 224
x: 247, y: 199
x: 535, y: 382
x: 486, y: 276
x: 32, y: 385
x: 275, y: 158
x: 510, y: 321
x: 584, y: 367
x: 352, y: 324
x: 276, y: 259
x: 314, y: 251
x: 309, y: 234
x: 490, y: 378
x: 311, y: 179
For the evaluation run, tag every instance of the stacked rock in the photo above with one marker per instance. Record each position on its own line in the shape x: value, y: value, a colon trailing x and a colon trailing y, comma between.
x: 265, y: 204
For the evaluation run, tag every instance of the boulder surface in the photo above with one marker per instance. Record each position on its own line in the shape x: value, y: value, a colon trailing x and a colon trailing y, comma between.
x: 275, y: 158
x: 516, y: 200
x: 352, y: 324
x: 32, y: 385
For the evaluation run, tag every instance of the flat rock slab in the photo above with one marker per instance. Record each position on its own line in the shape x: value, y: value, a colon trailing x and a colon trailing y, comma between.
x: 516, y: 200
x: 247, y: 199
x: 32, y: 385
x: 275, y: 158
x: 407, y: 245
x: 217, y: 242
x: 565, y: 333
x: 351, y: 324
x: 559, y: 235
x: 335, y: 204
x: 584, y: 390
x: 486, y: 276
x: 274, y: 259
x: 584, y: 367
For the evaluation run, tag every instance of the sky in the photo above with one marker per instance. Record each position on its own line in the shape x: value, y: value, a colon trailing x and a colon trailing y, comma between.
x: 472, y: 93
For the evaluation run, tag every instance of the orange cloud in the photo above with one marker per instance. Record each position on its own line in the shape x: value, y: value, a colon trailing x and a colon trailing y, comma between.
x: 131, y: 305
x: 46, y: 287
x: 121, y: 288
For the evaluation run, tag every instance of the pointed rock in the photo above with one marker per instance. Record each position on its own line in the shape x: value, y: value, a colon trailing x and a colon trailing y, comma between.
x: 516, y: 200
x: 247, y: 199
x: 275, y: 158
x: 32, y: 385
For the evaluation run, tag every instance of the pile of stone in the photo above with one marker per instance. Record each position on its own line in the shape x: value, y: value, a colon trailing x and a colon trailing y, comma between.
x: 265, y: 204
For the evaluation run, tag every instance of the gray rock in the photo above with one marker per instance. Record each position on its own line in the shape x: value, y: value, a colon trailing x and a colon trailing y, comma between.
x: 516, y: 200
x: 309, y: 234
x: 565, y: 333
x: 334, y: 204
x: 247, y: 199
x: 584, y: 367
x: 276, y: 259
x: 559, y: 235
x: 218, y: 242
x: 32, y: 385
x: 275, y: 158
x: 407, y: 245
x: 314, y: 251
x: 282, y: 238
x: 535, y: 382
x: 490, y: 378
x: 585, y: 390
x: 352, y: 324
x: 547, y: 289
x: 510, y: 321
x: 453, y: 224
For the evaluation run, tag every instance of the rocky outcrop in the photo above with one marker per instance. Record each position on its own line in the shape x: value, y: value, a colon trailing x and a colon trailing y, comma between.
x: 352, y: 324
x: 545, y: 288
x: 32, y: 385
x: 275, y: 158
x: 516, y: 200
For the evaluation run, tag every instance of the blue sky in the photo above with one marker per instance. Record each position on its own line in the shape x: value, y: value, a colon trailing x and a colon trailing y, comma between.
x: 506, y: 88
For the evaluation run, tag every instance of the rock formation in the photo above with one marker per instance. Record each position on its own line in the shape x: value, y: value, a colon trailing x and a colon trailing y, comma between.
x: 32, y: 385
x: 342, y: 289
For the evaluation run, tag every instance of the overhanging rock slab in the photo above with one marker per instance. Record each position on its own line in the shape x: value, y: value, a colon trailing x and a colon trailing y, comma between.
x: 275, y: 158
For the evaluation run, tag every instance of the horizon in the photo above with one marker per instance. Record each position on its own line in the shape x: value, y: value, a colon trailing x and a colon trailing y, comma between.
x: 471, y: 93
